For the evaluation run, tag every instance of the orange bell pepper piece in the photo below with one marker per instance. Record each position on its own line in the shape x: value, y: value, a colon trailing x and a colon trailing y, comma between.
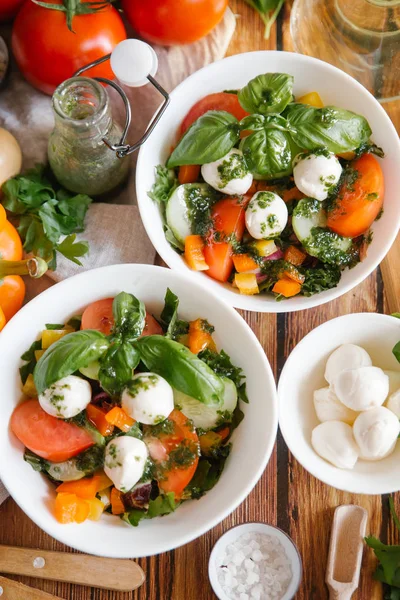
x: 294, y: 275
x: 287, y: 287
x: 244, y: 262
x: 199, y: 337
x: 2, y: 318
x: 71, y: 509
x: 247, y: 283
x: 194, y: 253
x: 117, y: 506
x: 188, y: 173
x: 83, y: 488
x: 97, y: 417
x: 224, y: 433
x: 118, y: 417
x: 294, y: 255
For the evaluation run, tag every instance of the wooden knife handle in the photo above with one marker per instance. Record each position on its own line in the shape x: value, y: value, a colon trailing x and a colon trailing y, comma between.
x: 12, y: 590
x: 105, y: 573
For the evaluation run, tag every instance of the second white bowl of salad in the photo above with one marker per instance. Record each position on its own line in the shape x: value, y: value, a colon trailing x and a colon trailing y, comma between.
x: 138, y: 410
x: 273, y: 178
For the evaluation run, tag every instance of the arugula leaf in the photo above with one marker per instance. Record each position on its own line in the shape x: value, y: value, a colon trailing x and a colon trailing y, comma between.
x: 181, y: 368
x: 71, y: 249
x: 165, y: 184
x: 67, y: 355
x: 164, y: 504
x: 336, y: 129
x: 209, y: 138
x: 267, y: 93
x: 29, y: 357
x: 221, y: 365
x: 47, y: 214
x: 319, y: 279
x: 268, y: 11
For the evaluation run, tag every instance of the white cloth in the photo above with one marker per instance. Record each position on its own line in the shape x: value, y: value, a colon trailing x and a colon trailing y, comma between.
x: 114, y: 231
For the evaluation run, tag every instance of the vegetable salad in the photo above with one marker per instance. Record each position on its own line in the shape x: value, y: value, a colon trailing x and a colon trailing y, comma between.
x: 271, y: 193
x: 125, y: 413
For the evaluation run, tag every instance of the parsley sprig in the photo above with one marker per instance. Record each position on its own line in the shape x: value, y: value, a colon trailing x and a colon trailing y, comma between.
x: 49, y: 216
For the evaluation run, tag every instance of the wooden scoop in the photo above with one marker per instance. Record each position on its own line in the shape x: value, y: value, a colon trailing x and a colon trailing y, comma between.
x: 12, y: 590
x: 105, y: 573
x: 345, y: 551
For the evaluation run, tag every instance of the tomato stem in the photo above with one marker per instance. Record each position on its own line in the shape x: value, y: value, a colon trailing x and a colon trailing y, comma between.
x: 34, y: 266
x: 73, y: 8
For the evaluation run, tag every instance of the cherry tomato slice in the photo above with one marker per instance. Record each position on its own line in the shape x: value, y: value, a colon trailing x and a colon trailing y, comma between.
x: 219, y: 101
x: 51, y: 438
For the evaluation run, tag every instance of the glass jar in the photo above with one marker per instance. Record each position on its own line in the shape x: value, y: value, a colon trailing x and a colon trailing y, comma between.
x: 78, y: 156
x: 361, y: 37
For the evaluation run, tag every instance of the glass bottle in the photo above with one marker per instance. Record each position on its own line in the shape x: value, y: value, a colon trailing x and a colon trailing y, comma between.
x: 361, y: 37
x: 78, y: 156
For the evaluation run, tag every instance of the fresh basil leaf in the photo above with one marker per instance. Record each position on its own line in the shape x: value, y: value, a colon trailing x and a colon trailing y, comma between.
x: 116, y: 367
x: 169, y: 316
x: 75, y: 322
x: 67, y: 355
x: 268, y: 93
x: 267, y: 152
x: 164, y: 504
x: 53, y: 326
x: 222, y: 365
x: 30, y: 360
x: 336, y: 129
x: 71, y: 249
x: 165, y: 184
x: 129, y: 316
x: 207, y: 475
x: 396, y: 351
x: 208, y: 139
x: 181, y: 368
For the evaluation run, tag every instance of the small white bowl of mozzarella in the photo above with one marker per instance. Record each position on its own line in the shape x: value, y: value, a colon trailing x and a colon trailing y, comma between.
x: 339, y: 403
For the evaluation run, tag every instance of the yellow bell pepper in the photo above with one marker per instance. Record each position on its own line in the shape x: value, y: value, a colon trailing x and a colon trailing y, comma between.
x: 265, y: 247
x: 312, y: 98
x: 29, y: 388
x: 49, y: 336
x: 247, y: 283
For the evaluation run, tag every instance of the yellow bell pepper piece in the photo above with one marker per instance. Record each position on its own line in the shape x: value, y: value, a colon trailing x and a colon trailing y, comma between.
x: 96, y: 509
x: 347, y: 155
x: 312, y: 98
x: 29, y: 388
x: 247, y: 283
x: 39, y: 354
x: 265, y: 247
x: 49, y: 336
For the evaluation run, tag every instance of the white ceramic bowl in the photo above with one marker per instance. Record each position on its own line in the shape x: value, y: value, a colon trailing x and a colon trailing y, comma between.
x: 252, y: 441
x: 304, y: 372
x: 232, y: 535
x: 335, y: 87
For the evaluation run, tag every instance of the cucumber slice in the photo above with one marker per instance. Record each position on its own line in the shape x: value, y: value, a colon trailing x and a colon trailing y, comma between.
x: 207, y: 417
x: 309, y: 225
x: 182, y: 206
x: 91, y: 371
x: 65, y: 471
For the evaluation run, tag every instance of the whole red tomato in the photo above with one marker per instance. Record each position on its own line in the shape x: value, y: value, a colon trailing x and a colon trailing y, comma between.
x: 8, y: 9
x: 47, y: 52
x: 170, y: 22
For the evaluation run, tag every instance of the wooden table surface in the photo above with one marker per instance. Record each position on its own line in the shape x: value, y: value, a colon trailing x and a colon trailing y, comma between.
x: 286, y: 495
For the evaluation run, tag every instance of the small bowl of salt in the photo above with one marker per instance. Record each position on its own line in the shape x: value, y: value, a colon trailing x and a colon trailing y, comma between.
x: 255, y: 561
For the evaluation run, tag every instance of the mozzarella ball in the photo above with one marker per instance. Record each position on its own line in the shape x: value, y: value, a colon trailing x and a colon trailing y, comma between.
x: 393, y: 403
x: 266, y: 215
x: 228, y: 174
x: 361, y: 389
x: 315, y: 175
x: 329, y: 408
x: 376, y: 432
x: 148, y: 399
x: 67, y: 397
x: 124, y: 461
x: 334, y: 442
x: 347, y: 356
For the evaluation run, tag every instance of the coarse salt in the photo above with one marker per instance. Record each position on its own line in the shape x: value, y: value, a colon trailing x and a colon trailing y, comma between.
x: 254, y: 567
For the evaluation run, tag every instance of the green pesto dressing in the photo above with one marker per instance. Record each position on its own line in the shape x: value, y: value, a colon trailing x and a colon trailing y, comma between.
x: 234, y: 167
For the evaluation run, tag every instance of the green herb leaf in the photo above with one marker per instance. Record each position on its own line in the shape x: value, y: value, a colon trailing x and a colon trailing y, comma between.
x: 268, y: 10
x: 267, y: 152
x: 67, y: 355
x: 396, y: 314
x: 165, y: 184
x: 53, y: 326
x: 129, y: 316
x: 169, y: 317
x: 222, y: 365
x: 37, y: 463
x: 71, y: 249
x: 208, y: 139
x: 30, y: 359
x: 319, y: 279
x: 116, y: 367
x: 164, y: 504
x: 336, y: 129
x: 181, y: 368
x: 207, y: 475
x: 268, y: 93
x: 396, y: 351
x: 90, y: 460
